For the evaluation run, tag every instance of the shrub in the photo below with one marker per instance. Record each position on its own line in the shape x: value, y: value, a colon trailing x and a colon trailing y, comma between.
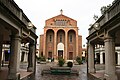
x: 61, y: 62
x: 69, y: 64
x: 43, y: 58
x: 79, y: 61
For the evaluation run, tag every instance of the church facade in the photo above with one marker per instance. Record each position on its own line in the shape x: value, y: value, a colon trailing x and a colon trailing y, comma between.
x: 60, y: 38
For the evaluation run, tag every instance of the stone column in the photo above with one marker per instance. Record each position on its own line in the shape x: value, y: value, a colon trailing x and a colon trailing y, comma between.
x: 14, y: 62
x: 1, y: 38
x: 31, y: 57
x: 91, y: 65
x: 55, y: 45
x: 101, y: 57
x: 110, y: 59
x: 66, y: 45
x: 118, y: 58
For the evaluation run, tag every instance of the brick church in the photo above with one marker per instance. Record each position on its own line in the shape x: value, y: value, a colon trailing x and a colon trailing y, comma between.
x: 60, y: 38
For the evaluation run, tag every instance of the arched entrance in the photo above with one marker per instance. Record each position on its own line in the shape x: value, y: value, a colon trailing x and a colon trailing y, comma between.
x: 60, y: 50
x: 60, y: 43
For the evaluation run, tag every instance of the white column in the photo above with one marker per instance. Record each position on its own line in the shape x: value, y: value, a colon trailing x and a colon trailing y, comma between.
x: 118, y: 58
x: 20, y: 54
x: 25, y: 57
x: 101, y: 57
x: 91, y: 66
x: 14, y: 62
x: 110, y: 59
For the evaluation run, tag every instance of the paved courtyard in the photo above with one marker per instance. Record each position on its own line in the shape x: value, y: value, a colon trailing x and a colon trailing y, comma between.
x: 81, y: 68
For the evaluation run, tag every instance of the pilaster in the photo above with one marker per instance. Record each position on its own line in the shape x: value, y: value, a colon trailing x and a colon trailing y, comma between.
x: 55, y: 45
x: 76, y: 43
x: 66, y: 45
x: 44, y: 44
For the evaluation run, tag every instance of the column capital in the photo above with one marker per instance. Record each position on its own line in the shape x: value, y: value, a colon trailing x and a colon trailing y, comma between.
x: 109, y: 39
x: 90, y: 44
x: 15, y: 37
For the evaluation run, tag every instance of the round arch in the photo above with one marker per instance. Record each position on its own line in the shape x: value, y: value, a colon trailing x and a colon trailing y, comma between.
x: 60, y: 50
x: 49, y: 43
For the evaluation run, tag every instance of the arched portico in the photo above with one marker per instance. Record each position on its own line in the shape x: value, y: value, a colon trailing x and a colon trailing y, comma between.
x: 14, y: 32
x: 106, y: 35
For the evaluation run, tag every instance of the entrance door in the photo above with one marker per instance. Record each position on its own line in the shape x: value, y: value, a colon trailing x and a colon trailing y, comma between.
x: 70, y: 55
x: 60, y: 53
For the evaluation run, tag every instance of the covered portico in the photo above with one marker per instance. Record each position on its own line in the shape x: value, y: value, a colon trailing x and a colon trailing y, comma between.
x: 105, y: 31
x: 14, y: 30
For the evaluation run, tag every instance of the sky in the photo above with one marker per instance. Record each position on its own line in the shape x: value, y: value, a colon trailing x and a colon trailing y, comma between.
x: 81, y: 10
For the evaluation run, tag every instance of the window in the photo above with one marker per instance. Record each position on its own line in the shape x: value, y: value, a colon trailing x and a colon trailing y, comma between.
x: 60, y: 38
x: 50, y: 38
x: 60, y: 22
x: 70, y: 38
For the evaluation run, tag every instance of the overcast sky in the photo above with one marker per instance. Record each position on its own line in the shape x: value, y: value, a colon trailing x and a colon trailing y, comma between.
x: 81, y: 10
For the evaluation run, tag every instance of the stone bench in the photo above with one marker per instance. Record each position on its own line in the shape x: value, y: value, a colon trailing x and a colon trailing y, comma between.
x: 60, y: 70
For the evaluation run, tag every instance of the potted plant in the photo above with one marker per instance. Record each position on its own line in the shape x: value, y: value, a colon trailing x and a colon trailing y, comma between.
x: 79, y: 61
x: 61, y: 62
x: 43, y: 58
x: 69, y: 64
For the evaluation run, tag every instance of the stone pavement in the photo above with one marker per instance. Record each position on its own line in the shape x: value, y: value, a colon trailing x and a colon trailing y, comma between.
x: 23, y: 72
x: 100, y: 70
x: 81, y: 68
x: 82, y: 73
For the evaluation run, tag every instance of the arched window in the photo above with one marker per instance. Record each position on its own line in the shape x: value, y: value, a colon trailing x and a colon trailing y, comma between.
x: 50, y: 38
x: 70, y: 38
x: 60, y: 38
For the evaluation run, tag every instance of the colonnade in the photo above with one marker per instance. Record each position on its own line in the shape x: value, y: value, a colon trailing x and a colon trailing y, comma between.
x: 110, y: 70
